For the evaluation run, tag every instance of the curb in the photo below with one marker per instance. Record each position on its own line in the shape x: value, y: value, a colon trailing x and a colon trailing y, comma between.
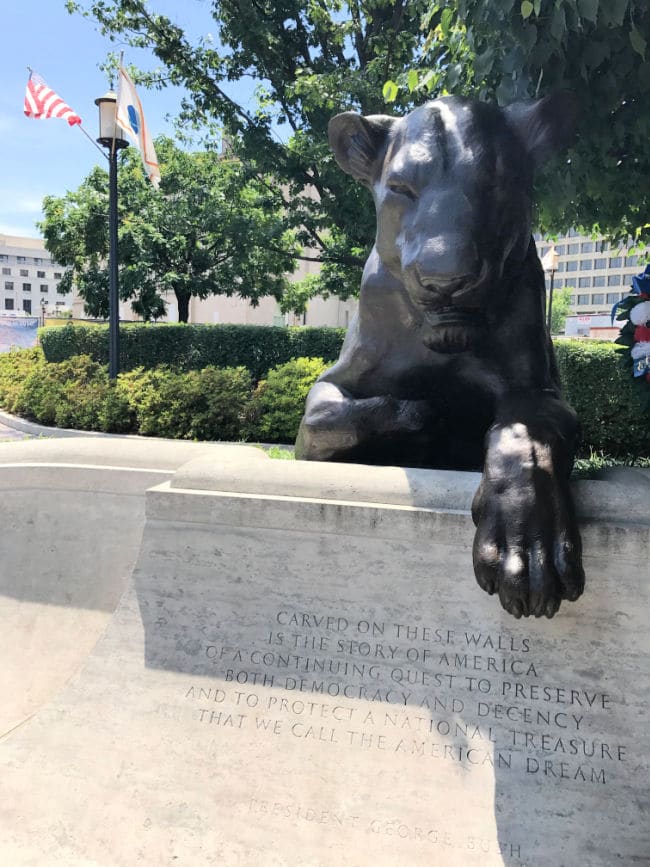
x: 38, y: 430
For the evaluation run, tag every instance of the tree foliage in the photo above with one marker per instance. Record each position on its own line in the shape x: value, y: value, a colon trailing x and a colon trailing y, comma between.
x: 598, y: 49
x: 560, y: 309
x: 312, y: 59
x: 209, y: 230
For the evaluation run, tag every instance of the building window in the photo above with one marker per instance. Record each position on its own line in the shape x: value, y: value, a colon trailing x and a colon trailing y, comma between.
x: 583, y: 300
x: 599, y: 281
x: 60, y: 303
x: 572, y: 233
x: 21, y: 259
x: 542, y: 252
x: 27, y: 305
x: 614, y: 280
x: 616, y: 262
x: 44, y: 287
x: 572, y: 266
x: 587, y: 247
x: 586, y: 264
x: 560, y: 250
x: 6, y: 270
x: 573, y: 248
x: 604, y: 246
x: 598, y: 299
x: 37, y: 260
x: 57, y: 275
x: 571, y: 282
x: 24, y: 272
x: 612, y: 297
x: 9, y: 286
x: 27, y: 287
x: 560, y: 267
x: 584, y: 282
x: 9, y: 303
x: 631, y: 260
x: 41, y: 274
x: 600, y: 263
x: 4, y: 257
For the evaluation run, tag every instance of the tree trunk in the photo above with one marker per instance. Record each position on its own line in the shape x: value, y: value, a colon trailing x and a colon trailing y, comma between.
x: 183, y: 306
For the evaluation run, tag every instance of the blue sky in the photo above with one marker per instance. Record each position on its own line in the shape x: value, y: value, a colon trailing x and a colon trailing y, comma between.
x: 48, y: 157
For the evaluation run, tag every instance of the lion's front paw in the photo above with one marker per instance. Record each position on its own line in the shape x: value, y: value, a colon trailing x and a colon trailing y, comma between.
x: 527, y: 547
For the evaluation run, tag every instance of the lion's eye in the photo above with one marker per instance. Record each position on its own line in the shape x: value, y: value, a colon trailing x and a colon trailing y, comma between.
x: 403, y: 190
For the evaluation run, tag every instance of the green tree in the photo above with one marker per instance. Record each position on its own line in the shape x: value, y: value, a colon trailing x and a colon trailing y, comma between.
x: 560, y: 310
x: 319, y: 57
x: 210, y: 229
x: 509, y: 49
x: 312, y: 60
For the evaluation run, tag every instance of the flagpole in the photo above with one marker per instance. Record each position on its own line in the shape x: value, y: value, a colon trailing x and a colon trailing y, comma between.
x: 92, y: 141
x: 114, y: 291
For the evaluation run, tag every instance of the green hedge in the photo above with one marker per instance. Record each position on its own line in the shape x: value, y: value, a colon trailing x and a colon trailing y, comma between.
x: 208, y: 404
x: 601, y: 390
x: 220, y: 402
x: 258, y: 348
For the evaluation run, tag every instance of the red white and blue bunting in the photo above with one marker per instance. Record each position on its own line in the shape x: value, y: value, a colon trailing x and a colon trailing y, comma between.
x: 634, y: 312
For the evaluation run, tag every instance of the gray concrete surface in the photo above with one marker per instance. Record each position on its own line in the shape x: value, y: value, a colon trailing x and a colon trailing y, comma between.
x: 10, y: 434
x: 288, y: 680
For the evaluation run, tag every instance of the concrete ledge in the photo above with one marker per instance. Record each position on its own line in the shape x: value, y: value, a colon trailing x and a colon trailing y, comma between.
x: 616, y: 500
x: 622, y: 497
x: 432, y: 489
x: 135, y: 452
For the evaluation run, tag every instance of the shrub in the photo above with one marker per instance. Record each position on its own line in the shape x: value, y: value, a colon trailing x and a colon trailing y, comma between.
x: 279, y: 400
x: 209, y: 404
x: 70, y: 394
x: 14, y: 368
x: 193, y: 347
x: 600, y: 389
x: 216, y: 403
x: 117, y: 414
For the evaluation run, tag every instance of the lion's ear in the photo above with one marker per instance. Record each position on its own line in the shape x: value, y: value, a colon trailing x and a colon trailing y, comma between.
x: 357, y: 142
x: 545, y: 126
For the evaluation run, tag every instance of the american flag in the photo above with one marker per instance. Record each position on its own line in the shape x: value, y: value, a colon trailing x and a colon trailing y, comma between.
x: 42, y: 102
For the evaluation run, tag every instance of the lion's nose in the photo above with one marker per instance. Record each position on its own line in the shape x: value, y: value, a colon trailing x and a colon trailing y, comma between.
x: 446, y: 264
x: 443, y: 283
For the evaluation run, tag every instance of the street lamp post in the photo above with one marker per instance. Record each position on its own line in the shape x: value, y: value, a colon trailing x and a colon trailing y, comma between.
x: 43, y: 309
x: 549, y: 264
x: 110, y: 137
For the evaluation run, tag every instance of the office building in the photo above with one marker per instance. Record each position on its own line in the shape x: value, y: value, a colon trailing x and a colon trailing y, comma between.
x: 29, y: 278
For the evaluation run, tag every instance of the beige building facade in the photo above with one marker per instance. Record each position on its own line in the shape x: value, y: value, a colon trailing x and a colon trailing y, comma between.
x: 219, y: 308
x: 29, y: 279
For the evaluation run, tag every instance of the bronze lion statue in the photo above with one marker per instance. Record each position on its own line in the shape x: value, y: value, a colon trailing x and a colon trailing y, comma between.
x: 449, y: 363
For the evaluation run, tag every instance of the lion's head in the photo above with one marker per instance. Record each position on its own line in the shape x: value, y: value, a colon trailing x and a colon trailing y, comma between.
x: 452, y: 184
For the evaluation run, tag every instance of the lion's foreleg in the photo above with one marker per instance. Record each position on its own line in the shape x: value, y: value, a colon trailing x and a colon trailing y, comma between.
x: 527, y: 546
x: 336, y: 424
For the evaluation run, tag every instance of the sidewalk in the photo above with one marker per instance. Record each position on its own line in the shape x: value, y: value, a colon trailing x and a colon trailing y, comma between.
x: 9, y: 433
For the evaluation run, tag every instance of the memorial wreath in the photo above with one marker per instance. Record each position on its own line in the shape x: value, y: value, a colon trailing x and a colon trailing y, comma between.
x: 634, y: 311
